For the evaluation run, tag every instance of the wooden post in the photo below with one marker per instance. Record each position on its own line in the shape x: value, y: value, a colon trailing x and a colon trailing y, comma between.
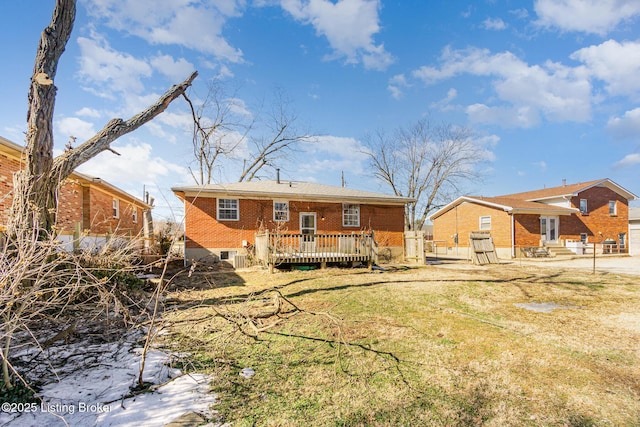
x: 594, y: 257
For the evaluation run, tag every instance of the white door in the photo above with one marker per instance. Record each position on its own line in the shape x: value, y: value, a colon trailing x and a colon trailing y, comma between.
x: 549, y: 229
x: 308, y: 231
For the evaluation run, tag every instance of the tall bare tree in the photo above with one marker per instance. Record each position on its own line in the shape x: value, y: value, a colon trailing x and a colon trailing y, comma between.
x: 427, y: 163
x: 35, y: 187
x: 218, y: 130
x: 281, y: 135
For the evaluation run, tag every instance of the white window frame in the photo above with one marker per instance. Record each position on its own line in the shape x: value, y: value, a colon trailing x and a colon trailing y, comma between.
x: 350, y: 215
x: 584, y: 238
x: 283, y: 211
x: 614, y: 204
x: 134, y: 215
x: 586, y: 207
x: 116, y: 208
x: 484, y: 222
x: 228, y: 209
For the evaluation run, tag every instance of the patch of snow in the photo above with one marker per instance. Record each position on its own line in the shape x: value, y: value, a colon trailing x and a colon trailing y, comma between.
x: 92, y: 386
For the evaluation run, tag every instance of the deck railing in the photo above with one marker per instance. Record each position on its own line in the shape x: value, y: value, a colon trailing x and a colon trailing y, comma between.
x: 279, y: 248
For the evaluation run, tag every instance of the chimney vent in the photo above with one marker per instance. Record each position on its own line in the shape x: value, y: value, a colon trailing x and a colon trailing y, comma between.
x: 564, y: 182
x: 278, y: 175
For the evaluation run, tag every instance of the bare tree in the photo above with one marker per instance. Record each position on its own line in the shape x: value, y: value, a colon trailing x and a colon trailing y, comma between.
x: 283, y: 134
x: 38, y: 182
x: 218, y: 130
x: 427, y: 163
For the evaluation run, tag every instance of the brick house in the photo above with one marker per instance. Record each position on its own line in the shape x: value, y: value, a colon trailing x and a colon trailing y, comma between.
x: 85, y: 203
x: 568, y: 216
x: 221, y: 220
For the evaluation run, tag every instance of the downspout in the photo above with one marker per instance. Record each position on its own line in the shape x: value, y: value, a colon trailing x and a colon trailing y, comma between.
x: 513, y: 236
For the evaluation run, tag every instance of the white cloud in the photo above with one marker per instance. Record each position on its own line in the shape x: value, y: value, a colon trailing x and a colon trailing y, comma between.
x: 348, y: 25
x: 617, y: 64
x: 627, y: 126
x: 552, y: 90
x: 494, y: 24
x: 135, y: 164
x: 588, y: 16
x: 89, y: 112
x: 445, y: 103
x: 102, y: 66
x: 177, y: 71
x: 629, y: 160
x: 396, y: 85
x: 73, y: 126
x: 194, y: 25
x: 334, y: 154
x: 542, y: 165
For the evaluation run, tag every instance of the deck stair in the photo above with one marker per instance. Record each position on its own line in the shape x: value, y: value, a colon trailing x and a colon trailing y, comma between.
x: 556, y: 249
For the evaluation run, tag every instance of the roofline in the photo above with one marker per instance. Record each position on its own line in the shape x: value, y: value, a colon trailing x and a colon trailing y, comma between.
x: 269, y: 195
x: 111, y: 189
x: 509, y: 209
x: 92, y: 180
x: 621, y: 190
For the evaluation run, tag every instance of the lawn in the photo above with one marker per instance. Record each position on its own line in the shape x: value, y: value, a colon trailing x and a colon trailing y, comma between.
x: 444, y: 345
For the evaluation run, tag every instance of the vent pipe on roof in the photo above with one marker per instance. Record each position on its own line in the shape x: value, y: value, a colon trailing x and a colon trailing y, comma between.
x: 278, y: 175
x: 564, y: 182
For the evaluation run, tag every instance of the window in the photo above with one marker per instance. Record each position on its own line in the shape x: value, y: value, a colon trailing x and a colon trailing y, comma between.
x: 583, y: 206
x: 584, y: 238
x: 350, y: 215
x: 622, y: 238
x: 116, y: 208
x: 613, y: 207
x: 228, y: 210
x: 485, y: 223
x: 280, y: 211
x: 227, y: 255
x: 134, y: 216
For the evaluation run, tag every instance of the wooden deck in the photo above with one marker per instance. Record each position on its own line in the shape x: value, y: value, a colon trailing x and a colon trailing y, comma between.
x: 273, y: 249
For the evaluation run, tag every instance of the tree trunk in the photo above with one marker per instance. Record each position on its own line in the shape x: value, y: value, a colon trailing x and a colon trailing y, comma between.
x: 35, y: 187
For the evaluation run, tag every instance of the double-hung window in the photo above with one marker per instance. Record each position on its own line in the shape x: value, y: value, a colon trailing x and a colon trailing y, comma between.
x: 116, y: 208
x: 485, y: 223
x: 613, y: 208
x: 583, y: 207
x: 280, y: 211
x: 350, y: 215
x: 228, y: 210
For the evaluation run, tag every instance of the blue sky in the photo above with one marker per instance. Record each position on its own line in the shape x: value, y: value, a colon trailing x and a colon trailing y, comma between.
x: 550, y: 87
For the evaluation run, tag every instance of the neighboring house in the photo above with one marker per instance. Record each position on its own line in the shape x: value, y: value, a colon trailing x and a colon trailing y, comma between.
x: 570, y: 216
x: 222, y: 220
x: 634, y: 231
x: 85, y: 204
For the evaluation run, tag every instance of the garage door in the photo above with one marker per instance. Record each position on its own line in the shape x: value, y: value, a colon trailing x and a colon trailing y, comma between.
x: 634, y: 240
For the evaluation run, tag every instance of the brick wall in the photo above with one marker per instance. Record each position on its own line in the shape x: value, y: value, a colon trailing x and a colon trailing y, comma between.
x: 204, y: 231
x: 466, y: 218
x: 597, y: 219
x: 8, y: 166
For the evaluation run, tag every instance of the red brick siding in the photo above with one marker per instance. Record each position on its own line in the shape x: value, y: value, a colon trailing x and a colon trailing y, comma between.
x: 8, y: 166
x: 204, y: 231
x: 93, y: 210
x: 466, y: 218
x: 527, y: 230
x: 597, y: 220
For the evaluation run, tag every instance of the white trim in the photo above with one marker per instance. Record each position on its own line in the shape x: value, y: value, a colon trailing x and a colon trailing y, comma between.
x: 346, y: 206
x: 237, y: 210
x: 480, y: 227
x: 286, y: 211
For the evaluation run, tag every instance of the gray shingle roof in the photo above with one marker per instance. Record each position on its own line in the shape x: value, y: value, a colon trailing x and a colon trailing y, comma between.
x: 291, y: 190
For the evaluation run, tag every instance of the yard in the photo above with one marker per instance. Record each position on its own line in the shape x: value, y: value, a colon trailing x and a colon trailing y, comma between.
x: 448, y: 344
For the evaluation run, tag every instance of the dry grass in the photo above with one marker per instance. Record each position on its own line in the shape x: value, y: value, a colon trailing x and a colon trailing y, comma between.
x: 441, y: 345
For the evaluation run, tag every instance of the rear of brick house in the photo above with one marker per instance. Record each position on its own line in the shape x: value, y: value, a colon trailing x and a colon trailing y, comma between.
x: 568, y: 216
x: 221, y: 220
x: 86, y: 204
